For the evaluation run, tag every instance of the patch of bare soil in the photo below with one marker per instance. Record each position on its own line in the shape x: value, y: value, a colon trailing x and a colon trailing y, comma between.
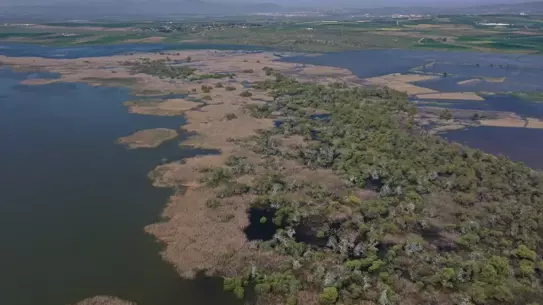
x: 149, y: 138
x: 104, y: 300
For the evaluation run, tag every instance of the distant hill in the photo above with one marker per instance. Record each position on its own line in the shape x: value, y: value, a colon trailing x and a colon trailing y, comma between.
x: 135, y: 8
x: 535, y: 8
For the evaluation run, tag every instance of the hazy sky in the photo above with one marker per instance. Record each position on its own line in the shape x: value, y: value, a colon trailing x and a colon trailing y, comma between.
x: 328, y: 3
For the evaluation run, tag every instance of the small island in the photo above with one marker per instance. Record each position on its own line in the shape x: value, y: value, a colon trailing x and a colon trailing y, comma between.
x: 149, y: 138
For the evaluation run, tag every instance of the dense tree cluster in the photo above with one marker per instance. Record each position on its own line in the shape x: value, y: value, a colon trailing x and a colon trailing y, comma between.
x: 446, y: 224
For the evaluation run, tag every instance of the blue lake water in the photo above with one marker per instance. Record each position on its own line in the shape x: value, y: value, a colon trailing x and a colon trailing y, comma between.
x: 73, y: 204
x: 519, y: 144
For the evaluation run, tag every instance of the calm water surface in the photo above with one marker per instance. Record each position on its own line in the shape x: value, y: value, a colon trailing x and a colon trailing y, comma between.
x: 73, y: 204
x: 519, y: 144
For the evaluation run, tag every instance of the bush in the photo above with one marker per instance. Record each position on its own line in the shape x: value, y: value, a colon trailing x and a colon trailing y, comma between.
x: 207, y: 98
x: 262, y: 288
x: 525, y: 253
x: 217, y: 176
x: 230, y: 116
x: 218, y: 85
x: 206, y: 89
x: 329, y: 296
x: 212, y: 203
x: 246, y: 93
x: 230, y: 88
x: 239, y: 292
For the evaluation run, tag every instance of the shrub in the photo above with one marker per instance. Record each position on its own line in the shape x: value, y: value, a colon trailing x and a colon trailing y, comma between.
x: 248, y: 71
x: 218, y: 85
x: 207, y: 98
x: 329, y: 296
x: 212, y: 203
x: 246, y: 93
x: 525, y: 253
x: 206, y: 89
x: 526, y: 268
x: 262, y: 288
x: 230, y: 116
x: 217, y: 176
x: 239, y: 292
x: 230, y: 88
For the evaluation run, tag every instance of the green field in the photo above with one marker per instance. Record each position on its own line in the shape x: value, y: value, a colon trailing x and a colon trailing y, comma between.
x: 454, y: 32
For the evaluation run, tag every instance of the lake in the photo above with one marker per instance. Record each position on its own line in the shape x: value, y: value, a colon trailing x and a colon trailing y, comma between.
x: 519, y: 144
x: 74, y: 204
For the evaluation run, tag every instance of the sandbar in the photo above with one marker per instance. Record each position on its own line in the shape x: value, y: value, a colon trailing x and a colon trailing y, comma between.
x: 467, y: 96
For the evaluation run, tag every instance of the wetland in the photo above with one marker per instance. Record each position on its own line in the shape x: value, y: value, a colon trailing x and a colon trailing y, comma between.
x: 300, y: 212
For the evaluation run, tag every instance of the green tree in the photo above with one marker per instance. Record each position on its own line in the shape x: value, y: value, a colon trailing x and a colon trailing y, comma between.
x: 329, y: 296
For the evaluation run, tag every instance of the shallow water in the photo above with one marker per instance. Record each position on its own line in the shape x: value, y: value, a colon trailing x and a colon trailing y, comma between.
x: 497, y: 102
x: 73, y: 204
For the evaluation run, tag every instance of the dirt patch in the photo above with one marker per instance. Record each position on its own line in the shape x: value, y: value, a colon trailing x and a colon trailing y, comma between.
x: 149, y: 138
x: 466, y: 96
x: 104, y: 300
